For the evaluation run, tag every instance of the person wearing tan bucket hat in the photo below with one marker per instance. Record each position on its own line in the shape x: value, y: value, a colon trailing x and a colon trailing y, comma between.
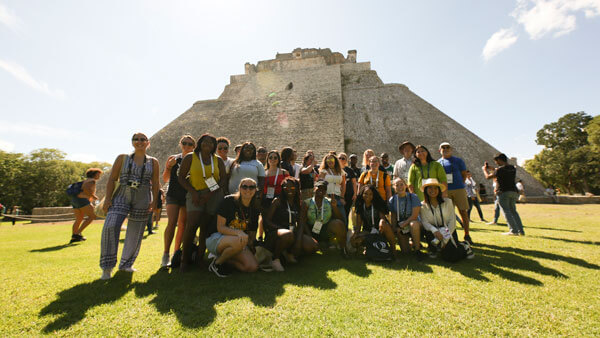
x: 439, y: 222
x: 402, y: 166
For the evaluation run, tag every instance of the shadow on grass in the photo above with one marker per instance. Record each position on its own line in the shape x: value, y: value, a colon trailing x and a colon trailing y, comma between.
x: 72, y: 304
x: 503, y: 261
x: 554, y: 229
x: 567, y: 240
x: 173, y: 290
x: 53, y: 248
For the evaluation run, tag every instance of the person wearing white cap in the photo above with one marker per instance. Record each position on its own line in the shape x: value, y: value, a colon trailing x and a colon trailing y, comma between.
x: 456, y: 174
x: 437, y: 217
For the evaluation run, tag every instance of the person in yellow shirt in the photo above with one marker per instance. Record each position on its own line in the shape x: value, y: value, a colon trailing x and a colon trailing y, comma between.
x: 378, y: 178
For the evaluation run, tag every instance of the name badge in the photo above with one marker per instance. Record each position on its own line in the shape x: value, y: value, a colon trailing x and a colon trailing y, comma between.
x: 317, y: 227
x: 270, y: 192
x: 449, y: 177
x: 211, y: 183
x: 291, y: 228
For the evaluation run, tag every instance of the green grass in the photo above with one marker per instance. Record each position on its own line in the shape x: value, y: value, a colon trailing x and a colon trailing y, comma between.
x: 546, y: 283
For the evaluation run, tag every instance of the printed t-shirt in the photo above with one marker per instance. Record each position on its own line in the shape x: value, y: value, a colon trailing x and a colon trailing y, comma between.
x: 236, y: 215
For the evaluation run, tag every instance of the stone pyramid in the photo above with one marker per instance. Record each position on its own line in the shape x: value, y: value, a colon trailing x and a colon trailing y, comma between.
x: 320, y: 100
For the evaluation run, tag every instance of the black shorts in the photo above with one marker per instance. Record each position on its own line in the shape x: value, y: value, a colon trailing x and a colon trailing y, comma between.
x: 178, y: 200
x: 271, y: 239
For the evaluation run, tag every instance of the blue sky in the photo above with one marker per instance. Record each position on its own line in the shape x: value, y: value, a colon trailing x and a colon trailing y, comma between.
x: 82, y: 76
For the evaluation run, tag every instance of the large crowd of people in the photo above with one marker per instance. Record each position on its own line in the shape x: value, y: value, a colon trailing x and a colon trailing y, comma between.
x: 263, y: 210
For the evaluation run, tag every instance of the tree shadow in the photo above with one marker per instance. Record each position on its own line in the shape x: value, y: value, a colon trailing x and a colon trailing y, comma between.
x: 72, y: 304
x: 545, y: 255
x: 53, y: 248
x: 554, y: 229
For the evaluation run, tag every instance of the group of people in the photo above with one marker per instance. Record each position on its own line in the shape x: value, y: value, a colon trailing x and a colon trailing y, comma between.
x: 261, y: 209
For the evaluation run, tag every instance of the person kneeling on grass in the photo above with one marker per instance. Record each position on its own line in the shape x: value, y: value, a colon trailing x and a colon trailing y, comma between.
x: 324, y: 219
x: 281, y: 222
x: 437, y: 216
x: 372, y: 212
x: 232, y: 240
x: 404, y: 208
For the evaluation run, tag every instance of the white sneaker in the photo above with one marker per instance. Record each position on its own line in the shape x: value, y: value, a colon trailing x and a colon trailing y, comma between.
x: 106, y: 274
x: 128, y: 269
x: 165, y: 260
x: 276, y: 264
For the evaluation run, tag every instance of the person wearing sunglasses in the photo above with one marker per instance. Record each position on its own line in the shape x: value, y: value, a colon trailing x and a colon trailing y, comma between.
x: 273, y: 179
x: 138, y: 176
x: 351, y: 185
x: 222, y: 151
x: 202, y: 174
x: 281, y: 224
x: 231, y: 239
x: 176, y: 212
x: 321, y: 218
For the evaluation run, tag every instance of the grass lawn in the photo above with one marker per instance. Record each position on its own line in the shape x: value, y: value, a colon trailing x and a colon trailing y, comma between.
x: 546, y: 283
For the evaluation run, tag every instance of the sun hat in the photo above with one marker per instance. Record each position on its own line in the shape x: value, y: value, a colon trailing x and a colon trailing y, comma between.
x: 406, y: 143
x: 445, y: 144
x: 432, y: 181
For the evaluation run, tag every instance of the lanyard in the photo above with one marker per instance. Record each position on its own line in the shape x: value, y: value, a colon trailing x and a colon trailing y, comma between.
x: 322, y: 209
x: 441, y: 215
x: 275, y: 181
x: 212, y: 166
x: 376, y: 180
x: 372, y: 214
x: 405, y: 208
x: 129, y: 168
x: 289, y: 214
x: 421, y: 168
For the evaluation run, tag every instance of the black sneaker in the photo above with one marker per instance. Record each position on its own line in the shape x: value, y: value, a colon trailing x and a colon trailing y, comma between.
x: 468, y: 239
x: 419, y: 255
x: 81, y: 238
x: 432, y: 251
x: 218, y: 269
x: 469, y: 250
x: 76, y: 238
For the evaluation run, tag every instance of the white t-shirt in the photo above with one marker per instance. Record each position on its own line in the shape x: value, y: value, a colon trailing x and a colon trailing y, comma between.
x: 297, y: 168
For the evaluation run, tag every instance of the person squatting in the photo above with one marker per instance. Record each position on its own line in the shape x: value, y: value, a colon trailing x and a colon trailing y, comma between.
x: 260, y: 210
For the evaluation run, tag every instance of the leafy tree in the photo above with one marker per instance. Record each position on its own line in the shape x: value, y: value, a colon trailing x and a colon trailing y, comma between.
x: 568, y: 161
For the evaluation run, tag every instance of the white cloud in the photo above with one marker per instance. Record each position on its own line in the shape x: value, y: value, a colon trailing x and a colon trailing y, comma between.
x: 85, y: 158
x: 10, y: 19
x: 32, y: 129
x: 542, y: 17
x: 498, y: 42
x: 22, y: 75
x: 6, y: 146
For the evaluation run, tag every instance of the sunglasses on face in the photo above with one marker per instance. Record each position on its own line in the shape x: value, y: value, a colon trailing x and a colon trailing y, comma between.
x: 223, y: 148
x: 140, y: 139
x: 190, y: 144
x: 273, y: 158
x: 248, y: 187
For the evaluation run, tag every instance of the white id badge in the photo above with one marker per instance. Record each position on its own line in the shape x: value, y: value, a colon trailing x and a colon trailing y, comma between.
x: 317, y: 227
x: 270, y: 192
x: 449, y: 177
x: 211, y: 183
x: 291, y: 228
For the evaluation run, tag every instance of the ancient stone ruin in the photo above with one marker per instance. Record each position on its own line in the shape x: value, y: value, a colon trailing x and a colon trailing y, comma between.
x: 320, y: 100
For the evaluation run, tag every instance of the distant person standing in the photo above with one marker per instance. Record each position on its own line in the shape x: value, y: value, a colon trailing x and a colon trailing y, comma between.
x: 365, y: 160
x: 287, y: 160
x: 471, y: 187
x: 353, y: 162
x: 261, y: 155
x: 385, y: 164
x: 456, y: 174
x: 402, y: 166
x: 82, y: 204
x: 223, y: 151
x: 521, y: 189
x: 507, y: 192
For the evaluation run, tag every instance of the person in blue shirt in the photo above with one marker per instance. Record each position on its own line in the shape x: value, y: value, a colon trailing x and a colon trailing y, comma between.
x: 456, y: 173
x: 404, y: 210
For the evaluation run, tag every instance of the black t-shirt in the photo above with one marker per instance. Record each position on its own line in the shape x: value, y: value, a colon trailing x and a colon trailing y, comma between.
x: 175, y: 189
x: 350, y: 174
x: 357, y: 172
x: 370, y: 218
x: 307, y: 181
x: 236, y: 215
x: 506, y: 178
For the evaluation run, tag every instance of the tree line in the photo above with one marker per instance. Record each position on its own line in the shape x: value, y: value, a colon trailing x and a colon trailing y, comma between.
x: 40, y: 178
x: 570, y: 159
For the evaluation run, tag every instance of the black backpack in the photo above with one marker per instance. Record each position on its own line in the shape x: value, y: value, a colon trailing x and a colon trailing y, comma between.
x: 377, y: 248
x: 74, y: 189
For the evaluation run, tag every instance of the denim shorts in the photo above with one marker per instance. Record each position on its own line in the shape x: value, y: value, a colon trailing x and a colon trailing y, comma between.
x: 212, y: 242
x: 78, y: 202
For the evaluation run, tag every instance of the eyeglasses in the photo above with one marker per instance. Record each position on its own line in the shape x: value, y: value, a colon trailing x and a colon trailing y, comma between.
x: 223, y: 148
x: 140, y: 139
x: 248, y: 187
x: 190, y: 144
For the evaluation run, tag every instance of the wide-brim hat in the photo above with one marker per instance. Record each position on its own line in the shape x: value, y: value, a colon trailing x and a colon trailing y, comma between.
x: 432, y: 181
x: 406, y: 143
